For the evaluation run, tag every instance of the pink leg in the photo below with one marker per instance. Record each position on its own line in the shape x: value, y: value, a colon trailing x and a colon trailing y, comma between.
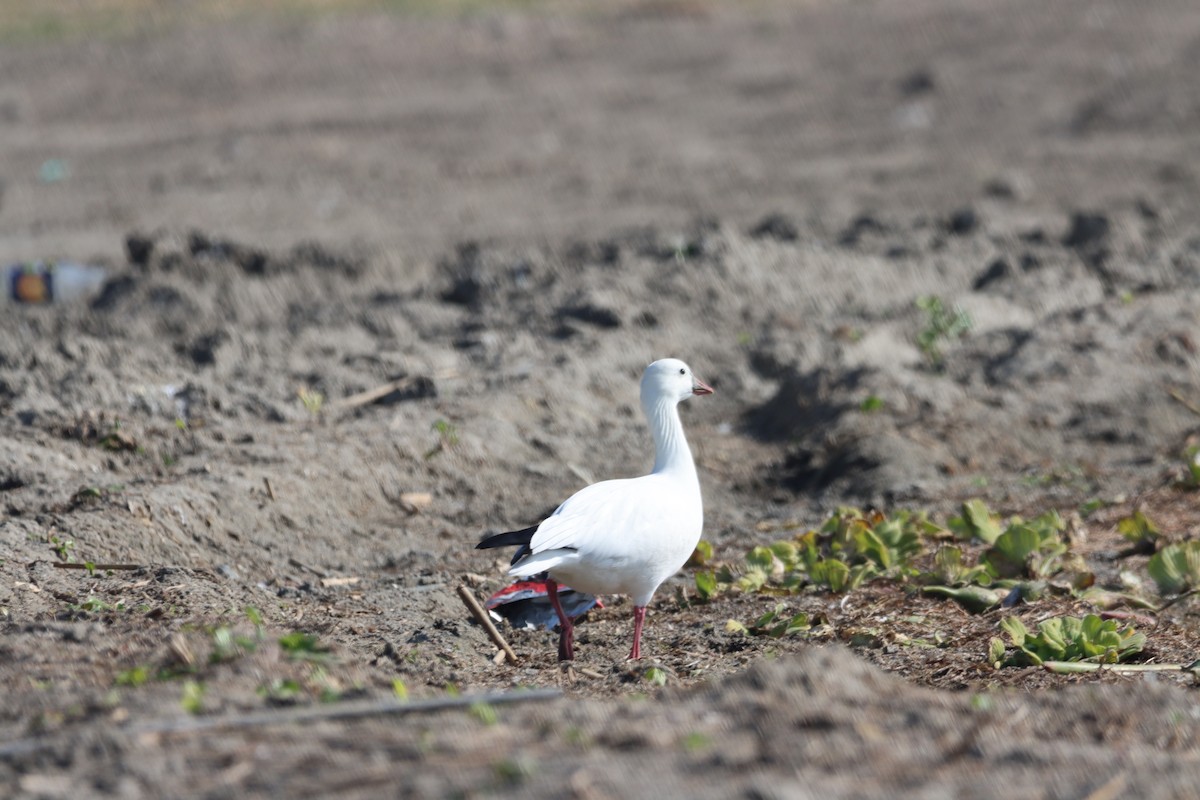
x: 566, y: 631
x: 639, y: 617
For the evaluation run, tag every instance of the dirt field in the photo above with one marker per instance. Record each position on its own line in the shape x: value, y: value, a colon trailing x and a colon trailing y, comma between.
x: 496, y: 218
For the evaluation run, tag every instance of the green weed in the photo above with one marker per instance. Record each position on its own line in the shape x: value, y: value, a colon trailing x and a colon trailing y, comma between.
x: 774, y: 624
x: 1033, y: 549
x: 312, y: 400
x: 281, y: 691
x: 192, y: 698
x: 655, y: 676
x: 1176, y: 567
x: 1191, y: 458
x: 485, y: 713
x: 61, y: 547
x: 941, y: 325
x: 870, y: 403
x: 303, y: 646
x: 849, y: 548
x: 976, y: 522
x: 1140, y: 531
x: 1066, y: 639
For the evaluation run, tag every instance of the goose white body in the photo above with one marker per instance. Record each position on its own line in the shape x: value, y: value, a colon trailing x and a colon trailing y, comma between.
x: 619, y: 537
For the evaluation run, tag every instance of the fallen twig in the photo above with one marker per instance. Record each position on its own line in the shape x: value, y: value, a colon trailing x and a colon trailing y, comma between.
x: 1178, y: 598
x: 347, y: 581
x: 1113, y: 788
x: 1074, y: 667
x: 270, y: 491
x: 95, y: 567
x: 1179, y: 397
x: 369, y: 396
x: 1129, y: 616
x: 481, y: 616
x: 306, y: 568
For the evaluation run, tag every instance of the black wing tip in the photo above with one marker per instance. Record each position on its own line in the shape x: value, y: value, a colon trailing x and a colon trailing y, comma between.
x: 509, y: 538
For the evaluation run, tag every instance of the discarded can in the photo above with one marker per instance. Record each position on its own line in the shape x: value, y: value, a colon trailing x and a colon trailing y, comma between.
x: 526, y: 604
x: 37, y: 283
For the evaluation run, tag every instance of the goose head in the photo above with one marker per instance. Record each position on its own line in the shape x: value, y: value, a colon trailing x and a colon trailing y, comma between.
x: 672, y: 380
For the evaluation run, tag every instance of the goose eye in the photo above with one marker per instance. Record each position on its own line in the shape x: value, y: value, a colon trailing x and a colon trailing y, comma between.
x: 682, y: 371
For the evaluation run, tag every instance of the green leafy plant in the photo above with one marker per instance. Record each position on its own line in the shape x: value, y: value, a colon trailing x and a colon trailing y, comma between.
x: 515, y: 771
x: 655, y: 676
x: 192, y: 698
x: 1191, y: 460
x: 447, y: 437
x: 950, y: 567
x: 228, y: 645
x: 61, y: 547
x: 976, y: 599
x: 1033, y: 549
x: 302, y: 646
x: 94, y: 605
x: 871, y: 403
x: 1176, y: 567
x: 1140, y: 531
x: 485, y: 713
x: 312, y: 400
x: 281, y: 691
x: 701, y: 555
x: 976, y: 522
x: 134, y: 677
x: 850, y: 547
x: 1066, y: 639
x: 774, y: 624
x: 117, y: 439
x: 446, y: 431
x: 941, y: 324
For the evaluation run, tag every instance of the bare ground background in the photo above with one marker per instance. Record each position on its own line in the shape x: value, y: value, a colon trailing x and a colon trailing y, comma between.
x: 508, y: 213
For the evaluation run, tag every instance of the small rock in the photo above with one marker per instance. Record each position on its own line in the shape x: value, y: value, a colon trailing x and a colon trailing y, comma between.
x: 962, y: 222
x: 862, y: 224
x: 203, y: 349
x: 1087, y: 230
x: 997, y: 271
x: 1033, y: 236
x: 999, y: 189
x: 592, y: 314
x: 139, y: 248
x: 776, y: 226
x: 918, y: 82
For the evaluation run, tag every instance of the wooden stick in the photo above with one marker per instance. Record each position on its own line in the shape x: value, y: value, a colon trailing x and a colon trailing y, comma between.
x: 1178, y: 598
x: 483, y: 619
x: 1183, y: 401
x: 371, y: 395
x: 306, y: 568
x: 95, y: 567
x: 339, y: 581
x: 270, y: 491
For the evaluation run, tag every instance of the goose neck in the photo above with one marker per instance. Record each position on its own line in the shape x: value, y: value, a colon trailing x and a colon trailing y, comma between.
x: 671, y: 452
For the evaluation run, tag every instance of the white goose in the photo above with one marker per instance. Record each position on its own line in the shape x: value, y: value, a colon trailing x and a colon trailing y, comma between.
x: 623, y: 536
